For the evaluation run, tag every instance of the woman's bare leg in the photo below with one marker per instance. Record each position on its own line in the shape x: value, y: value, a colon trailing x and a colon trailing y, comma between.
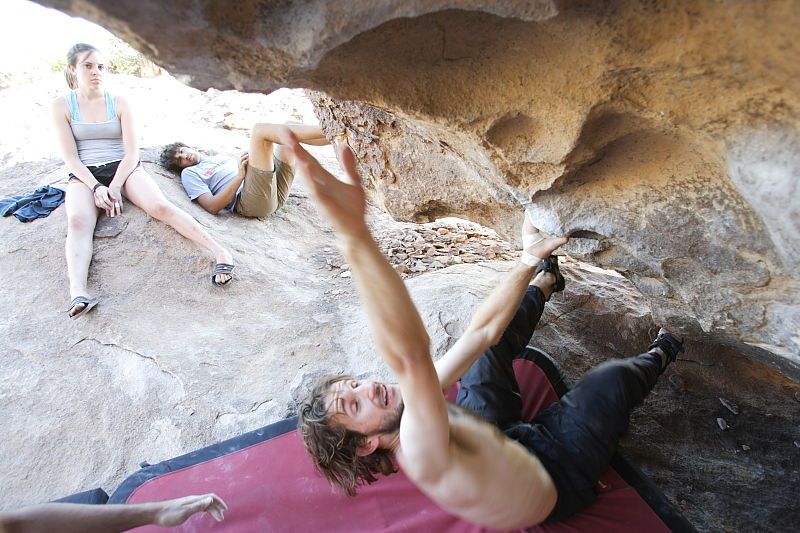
x: 81, y: 220
x: 144, y: 192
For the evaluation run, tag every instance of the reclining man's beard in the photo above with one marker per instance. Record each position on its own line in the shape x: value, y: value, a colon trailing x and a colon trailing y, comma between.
x: 391, y: 421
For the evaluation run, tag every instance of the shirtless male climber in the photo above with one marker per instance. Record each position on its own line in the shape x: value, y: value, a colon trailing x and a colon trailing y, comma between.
x: 492, y: 469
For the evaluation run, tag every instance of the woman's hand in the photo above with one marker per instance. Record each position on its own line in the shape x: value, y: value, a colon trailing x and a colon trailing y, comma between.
x: 115, y: 194
x: 102, y: 199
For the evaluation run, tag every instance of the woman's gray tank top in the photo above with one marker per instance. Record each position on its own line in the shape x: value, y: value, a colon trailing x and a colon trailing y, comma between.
x: 98, y: 142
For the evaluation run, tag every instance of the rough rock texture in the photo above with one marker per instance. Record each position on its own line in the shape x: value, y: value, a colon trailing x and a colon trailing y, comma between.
x: 260, y: 45
x: 660, y: 136
x: 663, y: 134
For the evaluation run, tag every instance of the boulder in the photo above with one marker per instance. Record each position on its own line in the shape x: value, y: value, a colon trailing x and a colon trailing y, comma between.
x: 664, y: 136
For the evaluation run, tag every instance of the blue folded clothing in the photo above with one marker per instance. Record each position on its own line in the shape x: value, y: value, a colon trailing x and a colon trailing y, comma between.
x: 38, y: 204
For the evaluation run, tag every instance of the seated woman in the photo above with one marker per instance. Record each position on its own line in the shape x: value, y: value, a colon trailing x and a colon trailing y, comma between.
x: 98, y: 140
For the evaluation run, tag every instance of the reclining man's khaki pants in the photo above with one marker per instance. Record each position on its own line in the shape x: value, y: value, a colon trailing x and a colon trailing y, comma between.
x: 264, y: 191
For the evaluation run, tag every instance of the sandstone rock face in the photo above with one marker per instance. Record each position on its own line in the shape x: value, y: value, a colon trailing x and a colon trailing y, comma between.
x: 671, y: 153
x: 261, y: 45
x: 664, y: 136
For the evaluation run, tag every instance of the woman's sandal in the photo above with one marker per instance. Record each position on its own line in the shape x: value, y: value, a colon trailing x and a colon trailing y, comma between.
x: 222, y: 268
x: 88, y: 305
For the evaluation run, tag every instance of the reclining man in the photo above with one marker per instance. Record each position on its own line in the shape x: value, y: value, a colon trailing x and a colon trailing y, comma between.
x: 493, y: 469
x: 254, y: 185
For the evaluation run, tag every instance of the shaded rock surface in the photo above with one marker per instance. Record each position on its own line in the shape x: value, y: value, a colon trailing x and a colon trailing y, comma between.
x: 665, y: 135
x: 663, y: 138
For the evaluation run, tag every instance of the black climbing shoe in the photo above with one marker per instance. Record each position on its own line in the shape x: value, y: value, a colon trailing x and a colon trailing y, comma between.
x: 669, y: 344
x: 550, y: 265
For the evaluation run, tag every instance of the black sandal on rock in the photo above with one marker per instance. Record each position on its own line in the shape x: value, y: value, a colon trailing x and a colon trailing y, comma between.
x: 88, y: 305
x: 222, y: 268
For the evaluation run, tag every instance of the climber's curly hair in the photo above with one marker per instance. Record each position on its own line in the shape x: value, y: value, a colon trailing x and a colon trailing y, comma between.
x: 333, y: 447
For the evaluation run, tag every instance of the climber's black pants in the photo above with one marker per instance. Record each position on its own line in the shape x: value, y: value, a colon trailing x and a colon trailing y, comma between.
x: 575, y: 437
